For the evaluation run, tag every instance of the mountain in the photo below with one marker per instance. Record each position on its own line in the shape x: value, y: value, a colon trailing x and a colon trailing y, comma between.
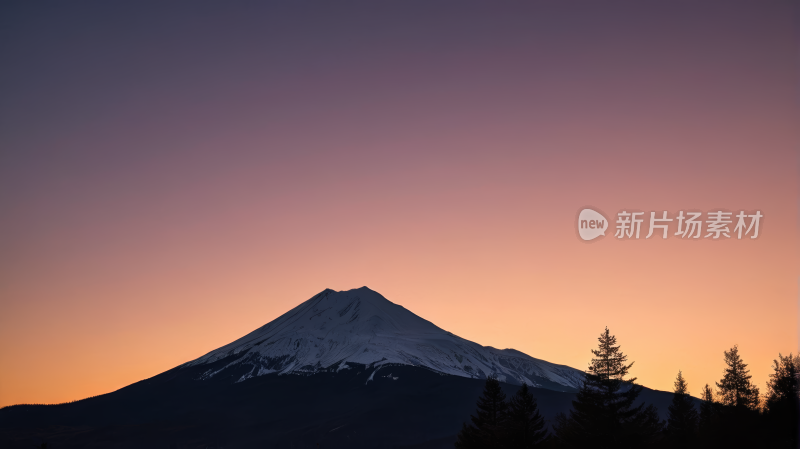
x: 342, y: 370
x: 335, y: 330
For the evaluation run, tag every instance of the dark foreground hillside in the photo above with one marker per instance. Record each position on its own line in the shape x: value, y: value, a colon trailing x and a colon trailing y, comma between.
x: 401, y: 406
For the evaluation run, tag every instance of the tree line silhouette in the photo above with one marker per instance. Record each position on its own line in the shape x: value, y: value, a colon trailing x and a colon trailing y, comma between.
x: 605, y: 413
x: 52, y: 404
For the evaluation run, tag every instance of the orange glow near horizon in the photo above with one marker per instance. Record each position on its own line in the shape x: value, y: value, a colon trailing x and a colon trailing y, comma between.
x: 153, y: 228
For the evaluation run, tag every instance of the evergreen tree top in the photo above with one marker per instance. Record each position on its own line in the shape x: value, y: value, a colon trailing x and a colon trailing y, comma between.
x: 681, y: 387
x: 683, y: 419
x: 735, y: 387
x: 609, y: 361
x: 604, y: 414
x: 783, y: 384
x: 707, y: 394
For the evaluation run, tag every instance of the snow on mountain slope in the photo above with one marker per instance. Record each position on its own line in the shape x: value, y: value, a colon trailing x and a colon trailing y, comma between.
x: 361, y: 326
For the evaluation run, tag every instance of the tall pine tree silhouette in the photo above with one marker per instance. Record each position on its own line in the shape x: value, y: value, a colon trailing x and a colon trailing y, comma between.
x: 603, y: 414
x: 739, y: 420
x: 525, y: 425
x: 709, y: 417
x: 783, y: 402
x: 681, y: 430
x: 487, y: 430
x: 735, y: 389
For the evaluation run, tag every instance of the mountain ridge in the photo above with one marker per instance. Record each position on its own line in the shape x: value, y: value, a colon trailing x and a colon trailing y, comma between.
x: 336, y: 329
x: 222, y: 399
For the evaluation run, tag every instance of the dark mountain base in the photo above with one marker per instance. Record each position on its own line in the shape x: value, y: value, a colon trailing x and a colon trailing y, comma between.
x: 419, y: 409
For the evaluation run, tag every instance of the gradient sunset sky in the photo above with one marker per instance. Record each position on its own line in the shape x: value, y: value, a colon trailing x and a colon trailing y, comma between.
x: 173, y: 176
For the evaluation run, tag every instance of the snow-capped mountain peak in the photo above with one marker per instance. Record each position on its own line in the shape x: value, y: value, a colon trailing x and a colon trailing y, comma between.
x: 360, y: 326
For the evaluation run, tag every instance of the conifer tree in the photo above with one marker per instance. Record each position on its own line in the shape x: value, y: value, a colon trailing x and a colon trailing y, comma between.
x: 735, y: 389
x: 682, y: 422
x: 707, y: 411
x: 783, y: 402
x: 645, y: 429
x: 738, y: 423
x: 466, y: 438
x: 603, y: 414
x: 487, y: 430
x: 711, y: 429
x: 525, y: 423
